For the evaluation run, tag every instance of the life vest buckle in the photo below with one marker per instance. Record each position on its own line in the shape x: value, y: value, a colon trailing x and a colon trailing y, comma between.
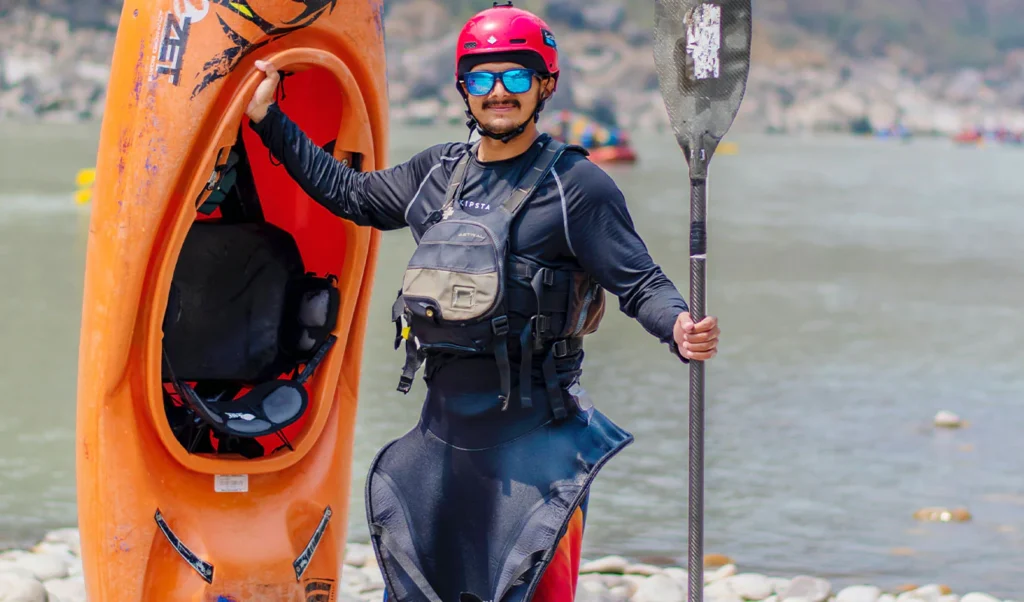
x: 500, y: 325
x: 541, y: 324
x: 560, y: 348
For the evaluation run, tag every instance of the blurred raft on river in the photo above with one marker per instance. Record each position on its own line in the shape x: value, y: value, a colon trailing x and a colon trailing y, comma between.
x: 599, y: 134
x: 606, y: 143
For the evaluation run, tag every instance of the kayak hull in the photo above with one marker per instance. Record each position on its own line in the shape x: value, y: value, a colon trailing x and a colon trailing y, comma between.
x: 158, y: 522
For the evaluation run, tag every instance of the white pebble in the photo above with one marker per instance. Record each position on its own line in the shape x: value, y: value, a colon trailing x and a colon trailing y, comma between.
x: 859, y: 593
x: 804, y: 586
x: 719, y: 591
x: 659, y: 588
x: 956, y: 598
x: 18, y: 588
x: 750, y: 586
x: 75, y: 567
x: 353, y: 579
x: 611, y: 581
x: 887, y: 598
x: 9, y: 566
x: 608, y: 564
x: 978, y: 597
x: 779, y: 584
x: 608, y: 580
x: 721, y: 573
x: 43, y: 566
x: 928, y: 593
x: 644, y: 569
x: 947, y: 419
x: 371, y: 564
x: 71, y: 537
x: 681, y: 576
x: 621, y: 593
x: 911, y: 596
x: 374, y: 579
x: 54, y: 548
x: 356, y: 554
x: 598, y: 578
x: 592, y: 591
x: 632, y: 582
x: 71, y: 589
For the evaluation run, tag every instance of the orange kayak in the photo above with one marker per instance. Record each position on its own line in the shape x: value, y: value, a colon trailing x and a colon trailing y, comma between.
x: 201, y: 260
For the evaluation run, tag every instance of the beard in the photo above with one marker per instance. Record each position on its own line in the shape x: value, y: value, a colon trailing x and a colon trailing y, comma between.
x: 505, y: 123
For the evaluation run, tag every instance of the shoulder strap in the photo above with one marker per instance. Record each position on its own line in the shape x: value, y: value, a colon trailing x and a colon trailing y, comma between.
x: 579, y: 149
x: 536, y: 174
x: 458, y: 176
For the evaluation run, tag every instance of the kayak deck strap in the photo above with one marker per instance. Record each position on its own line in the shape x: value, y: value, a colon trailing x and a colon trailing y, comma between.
x: 302, y: 561
x: 205, y: 569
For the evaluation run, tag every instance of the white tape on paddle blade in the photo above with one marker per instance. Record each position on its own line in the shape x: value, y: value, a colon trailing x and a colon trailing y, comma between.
x: 231, y: 483
x: 704, y: 40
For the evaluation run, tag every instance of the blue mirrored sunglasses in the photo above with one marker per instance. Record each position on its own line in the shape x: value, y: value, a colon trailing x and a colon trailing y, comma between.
x: 516, y: 81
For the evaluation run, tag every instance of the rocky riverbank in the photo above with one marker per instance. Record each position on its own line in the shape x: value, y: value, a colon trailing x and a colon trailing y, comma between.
x: 54, y: 70
x: 52, y: 572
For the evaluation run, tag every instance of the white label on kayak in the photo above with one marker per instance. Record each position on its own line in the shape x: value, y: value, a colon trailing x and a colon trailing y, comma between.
x: 231, y: 483
x: 704, y: 39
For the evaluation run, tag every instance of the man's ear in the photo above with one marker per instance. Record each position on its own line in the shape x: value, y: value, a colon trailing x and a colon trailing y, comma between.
x: 547, y: 88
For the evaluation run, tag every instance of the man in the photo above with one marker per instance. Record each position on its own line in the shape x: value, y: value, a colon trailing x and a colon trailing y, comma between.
x: 485, y: 499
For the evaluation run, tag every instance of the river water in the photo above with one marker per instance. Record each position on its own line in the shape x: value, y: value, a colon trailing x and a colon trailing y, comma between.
x: 862, y: 286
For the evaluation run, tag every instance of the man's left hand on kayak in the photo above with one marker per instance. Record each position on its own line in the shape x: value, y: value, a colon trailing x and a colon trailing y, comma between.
x: 696, y: 341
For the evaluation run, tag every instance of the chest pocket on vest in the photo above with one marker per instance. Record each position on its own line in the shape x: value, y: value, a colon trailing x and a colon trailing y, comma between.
x: 456, y: 275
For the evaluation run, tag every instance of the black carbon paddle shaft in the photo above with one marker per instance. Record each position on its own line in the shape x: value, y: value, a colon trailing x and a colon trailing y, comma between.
x: 698, y: 281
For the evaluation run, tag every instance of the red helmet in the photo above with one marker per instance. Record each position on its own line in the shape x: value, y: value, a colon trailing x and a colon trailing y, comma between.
x: 519, y: 35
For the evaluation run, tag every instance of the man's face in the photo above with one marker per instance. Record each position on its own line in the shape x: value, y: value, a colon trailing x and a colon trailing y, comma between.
x: 501, y: 111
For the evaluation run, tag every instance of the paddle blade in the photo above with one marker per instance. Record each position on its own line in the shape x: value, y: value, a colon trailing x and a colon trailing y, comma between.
x: 702, y: 55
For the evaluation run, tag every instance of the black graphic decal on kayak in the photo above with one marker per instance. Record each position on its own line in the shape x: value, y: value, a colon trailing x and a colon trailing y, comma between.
x: 173, y: 46
x: 205, y: 569
x: 319, y: 590
x: 302, y: 561
x: 240, y: 46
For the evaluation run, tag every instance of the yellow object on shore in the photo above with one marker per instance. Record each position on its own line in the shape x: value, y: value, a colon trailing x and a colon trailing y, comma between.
x: 84, y: 180
x: 728, y: 148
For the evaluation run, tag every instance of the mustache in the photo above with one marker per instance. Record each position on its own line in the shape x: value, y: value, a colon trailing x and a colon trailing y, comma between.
x: 494, y: 103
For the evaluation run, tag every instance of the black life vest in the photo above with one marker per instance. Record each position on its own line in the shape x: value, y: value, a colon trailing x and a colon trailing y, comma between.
x: 464, y: 293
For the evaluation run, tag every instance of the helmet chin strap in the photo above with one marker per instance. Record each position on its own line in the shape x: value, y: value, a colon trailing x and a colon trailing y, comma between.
x: 472, y: 124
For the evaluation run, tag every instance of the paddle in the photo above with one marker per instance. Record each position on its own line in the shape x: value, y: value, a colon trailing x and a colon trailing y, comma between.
x: 702, y: 54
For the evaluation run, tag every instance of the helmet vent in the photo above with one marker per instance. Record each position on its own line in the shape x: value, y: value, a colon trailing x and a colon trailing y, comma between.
x: 469, y: 45
x: 517, y: 41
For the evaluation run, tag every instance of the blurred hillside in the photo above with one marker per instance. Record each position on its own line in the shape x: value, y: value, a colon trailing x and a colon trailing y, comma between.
x: 931, y: 65
x: 945, y: 34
